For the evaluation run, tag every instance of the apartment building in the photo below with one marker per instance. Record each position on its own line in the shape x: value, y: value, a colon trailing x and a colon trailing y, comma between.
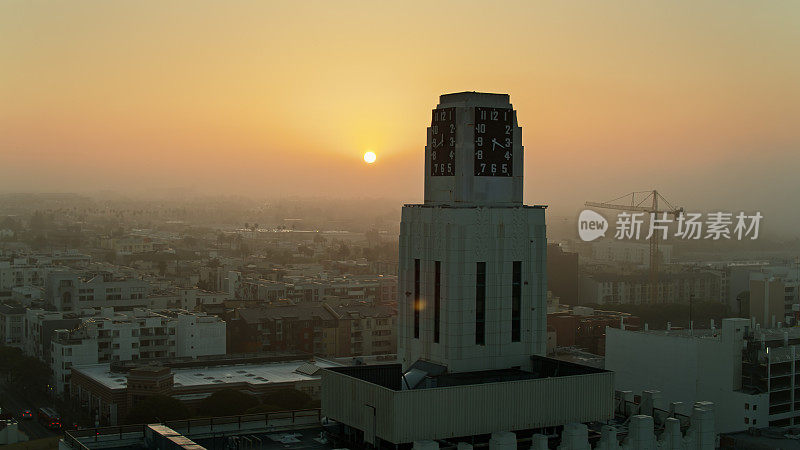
x: 679, y: 286
x: 127, y: 245
x: 29, y: 270
x: 372, y: 328
x: 12, y: 322
x: 39, y: 327
x: 349, y: 329
x: 300, y: 288
x: 636, y: 253
x: 69, y: 291
x: 108, y: 336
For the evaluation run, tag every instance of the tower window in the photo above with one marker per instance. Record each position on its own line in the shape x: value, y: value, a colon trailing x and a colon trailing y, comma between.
x: 516, y: 301
x: 437, y: 299
x: 480, y: 304
x: 416, y: 299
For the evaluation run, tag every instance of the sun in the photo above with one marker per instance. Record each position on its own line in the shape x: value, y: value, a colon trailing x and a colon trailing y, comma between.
x: 370, y: 157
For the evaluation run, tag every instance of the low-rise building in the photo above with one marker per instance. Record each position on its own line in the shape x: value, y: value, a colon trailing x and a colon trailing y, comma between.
x: 108, y: 391
x: 110, y: 336
x: 127, y: 245
x: 347, y: 329
x: 304, y: 288
x: 604, y: 287
x: 12, y: 324
x: 585, y: 328
x: 69, y: 291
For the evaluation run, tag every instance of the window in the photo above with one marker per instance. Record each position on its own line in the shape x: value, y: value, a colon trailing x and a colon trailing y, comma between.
x: 516, y: 301
x: 747, y: 406
x: 480, y: 304
x: 746, y: 420
x: 416, y: 299
x: 437, y: 300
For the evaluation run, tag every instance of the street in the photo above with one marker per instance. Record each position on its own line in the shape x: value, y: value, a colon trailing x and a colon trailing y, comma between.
x: 14, y: 402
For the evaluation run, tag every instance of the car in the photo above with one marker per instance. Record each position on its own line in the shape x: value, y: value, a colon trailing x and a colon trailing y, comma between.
x: 27, y: 414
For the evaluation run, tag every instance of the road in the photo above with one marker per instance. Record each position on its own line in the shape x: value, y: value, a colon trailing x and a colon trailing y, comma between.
x: 14, y: 402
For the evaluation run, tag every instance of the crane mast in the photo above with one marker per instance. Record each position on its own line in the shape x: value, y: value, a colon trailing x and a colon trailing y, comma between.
x: 648, y: 204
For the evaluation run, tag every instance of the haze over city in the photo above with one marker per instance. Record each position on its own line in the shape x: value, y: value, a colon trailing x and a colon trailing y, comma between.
x: 267, y: 100
x: 451, y: 225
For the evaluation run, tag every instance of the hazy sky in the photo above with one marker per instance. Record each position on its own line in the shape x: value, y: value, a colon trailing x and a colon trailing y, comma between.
x: 700, y: 100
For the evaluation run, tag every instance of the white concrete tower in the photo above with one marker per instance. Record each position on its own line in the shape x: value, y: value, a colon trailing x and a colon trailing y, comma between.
x: 472, y: 257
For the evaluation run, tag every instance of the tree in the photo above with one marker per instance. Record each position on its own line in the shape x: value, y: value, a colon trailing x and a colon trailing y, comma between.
x: 227, y: 402
x: 263, y: 408
x: 24, y: 372
x: 289, y: 399
x: 158, y: 408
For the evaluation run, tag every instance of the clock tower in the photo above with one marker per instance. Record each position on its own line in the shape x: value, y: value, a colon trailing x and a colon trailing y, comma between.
x: 474, y: 151
x: 472, y: 256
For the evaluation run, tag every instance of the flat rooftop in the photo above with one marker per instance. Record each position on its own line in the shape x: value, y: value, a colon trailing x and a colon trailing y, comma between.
x: 429, y: 375
x: 261, y: 373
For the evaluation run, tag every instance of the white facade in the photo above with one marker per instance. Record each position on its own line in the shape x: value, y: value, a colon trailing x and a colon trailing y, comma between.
x: 68, y: 291
x: 21, y: 272
x: 472, y: 275
x: 65, y: 353
x: 198, y: 335
x: 109, y: 336
x: 689, y: 367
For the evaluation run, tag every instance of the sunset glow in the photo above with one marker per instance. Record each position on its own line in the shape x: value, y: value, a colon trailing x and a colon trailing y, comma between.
x: 194, y: 97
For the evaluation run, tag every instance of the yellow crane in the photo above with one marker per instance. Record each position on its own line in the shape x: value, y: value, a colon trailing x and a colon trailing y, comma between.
x: 646, y: 202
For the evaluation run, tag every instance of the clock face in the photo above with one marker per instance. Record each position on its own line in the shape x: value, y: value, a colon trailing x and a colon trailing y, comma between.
x: 494, y: 142
x: 443, y: 142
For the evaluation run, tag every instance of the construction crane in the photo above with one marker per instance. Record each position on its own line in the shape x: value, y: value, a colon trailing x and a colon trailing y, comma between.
x: 646, y: 202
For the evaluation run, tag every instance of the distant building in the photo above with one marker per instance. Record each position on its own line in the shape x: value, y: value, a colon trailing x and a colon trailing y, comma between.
x: 622, y: 252
x: 127, y: 245
x: 302, y: 288
x: 772, y: 299
x: 30, y: 270
x: 562, y: 274
x: 608, y: 287
x: 69, y: 291
x: 353, y: 329
x: 585, y: 328
x: 12, y: 325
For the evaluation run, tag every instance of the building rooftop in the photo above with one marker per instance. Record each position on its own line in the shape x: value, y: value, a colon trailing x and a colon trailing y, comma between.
x: 424, y: 375
x: 261, y: 373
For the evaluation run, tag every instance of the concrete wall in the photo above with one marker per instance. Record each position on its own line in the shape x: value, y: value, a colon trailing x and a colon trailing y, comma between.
x: 686, y: 369
x: 446, y: 412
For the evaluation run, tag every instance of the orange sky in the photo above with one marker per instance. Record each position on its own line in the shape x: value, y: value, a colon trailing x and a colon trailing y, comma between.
x: 698, y: 99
